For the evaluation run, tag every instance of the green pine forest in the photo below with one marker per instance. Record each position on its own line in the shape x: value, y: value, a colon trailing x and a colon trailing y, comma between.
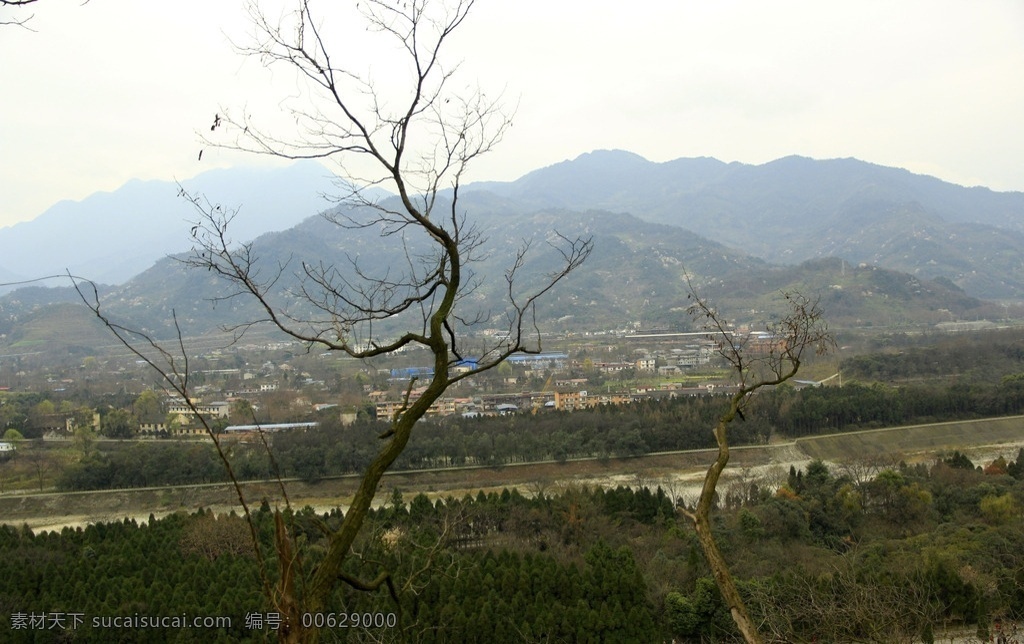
x: 900, y: 553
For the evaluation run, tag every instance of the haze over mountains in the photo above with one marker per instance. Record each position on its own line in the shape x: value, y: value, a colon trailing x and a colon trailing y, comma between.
x: 905, y: 246
x: 110, y: 237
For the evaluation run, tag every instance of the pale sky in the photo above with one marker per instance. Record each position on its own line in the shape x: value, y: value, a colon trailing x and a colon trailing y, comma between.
x: 100, y: 93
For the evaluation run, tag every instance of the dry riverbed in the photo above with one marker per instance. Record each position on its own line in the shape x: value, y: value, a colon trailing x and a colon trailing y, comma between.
x: 678, y: 473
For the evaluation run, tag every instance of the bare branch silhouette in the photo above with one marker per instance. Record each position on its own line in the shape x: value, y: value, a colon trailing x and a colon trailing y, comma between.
x: 417, y: 141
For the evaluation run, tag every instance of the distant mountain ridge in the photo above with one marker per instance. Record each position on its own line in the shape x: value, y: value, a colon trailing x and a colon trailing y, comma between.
x: 881, y: 246
x: 795, y: 209
x: 635, y: 278
x: 110, y: 237
x: 786, y: 211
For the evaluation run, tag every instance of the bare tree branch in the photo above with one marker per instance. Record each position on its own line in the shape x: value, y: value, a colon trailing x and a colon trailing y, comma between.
x: 417, y: 141
x: 24, y: 20
x: 16, y: 3
x: 173, y: 370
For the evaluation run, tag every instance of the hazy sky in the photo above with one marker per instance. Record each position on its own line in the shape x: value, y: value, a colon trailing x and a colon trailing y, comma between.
x: 112, y: 90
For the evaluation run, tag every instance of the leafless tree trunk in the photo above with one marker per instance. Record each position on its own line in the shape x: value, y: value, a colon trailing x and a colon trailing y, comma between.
x: 38, y: 460
x: 417, y: 141
x: 3, y: 473
x: 777, y: 359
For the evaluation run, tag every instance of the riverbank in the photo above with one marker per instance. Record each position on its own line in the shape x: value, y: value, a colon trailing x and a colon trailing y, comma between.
x: 678, y: 472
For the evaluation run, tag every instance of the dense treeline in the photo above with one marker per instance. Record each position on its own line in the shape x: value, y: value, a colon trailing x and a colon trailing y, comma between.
x: 967, y: 357
x: 146, y: 465
x: 822, y: 410
x: 864, y: 552
x: 619, y: 431
x: 332, y: 449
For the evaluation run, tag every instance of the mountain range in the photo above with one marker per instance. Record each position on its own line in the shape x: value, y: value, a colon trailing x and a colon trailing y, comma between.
x: 109, y: 237
x: 881, y: 246
x: 795, y: 209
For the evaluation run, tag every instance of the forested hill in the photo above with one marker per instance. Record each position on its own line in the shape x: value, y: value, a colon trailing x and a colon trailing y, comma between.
x: 795, y: 209
x: 784, y: 212
x: 637, y: 274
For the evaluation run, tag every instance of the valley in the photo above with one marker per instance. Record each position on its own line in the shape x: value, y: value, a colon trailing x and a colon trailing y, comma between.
x: 584, y: 450
x: 678, y: 473
x: 282, y: 358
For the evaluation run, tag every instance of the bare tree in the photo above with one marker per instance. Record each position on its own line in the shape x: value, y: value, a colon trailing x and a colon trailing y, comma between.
x: 21, y: 20
x: 418, y: 143
x: 775, y: 359
x: 863, y: 470
x: 4, y: 460
x: 839, y: 605
x: 39, y: 461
